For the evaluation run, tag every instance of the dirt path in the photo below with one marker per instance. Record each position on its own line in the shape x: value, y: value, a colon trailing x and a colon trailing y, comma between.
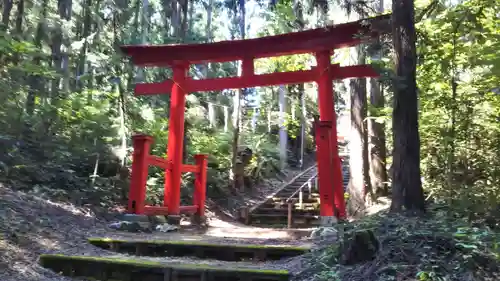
x: 223, y: 232
x: 31, y: 226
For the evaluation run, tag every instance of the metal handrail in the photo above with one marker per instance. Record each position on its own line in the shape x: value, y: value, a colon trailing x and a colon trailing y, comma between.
x: 308, y: 182
x: 299, y: 190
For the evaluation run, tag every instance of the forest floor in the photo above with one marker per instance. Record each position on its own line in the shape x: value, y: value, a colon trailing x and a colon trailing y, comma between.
x: 31, y: 226
x: 436, y: 247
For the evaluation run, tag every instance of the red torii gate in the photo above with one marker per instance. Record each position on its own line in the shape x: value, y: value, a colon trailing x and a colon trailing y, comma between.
x: 319, y: 41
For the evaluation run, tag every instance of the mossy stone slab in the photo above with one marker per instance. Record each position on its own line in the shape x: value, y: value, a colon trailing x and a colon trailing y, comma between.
x: 118, y: 269
x: 199, y: 249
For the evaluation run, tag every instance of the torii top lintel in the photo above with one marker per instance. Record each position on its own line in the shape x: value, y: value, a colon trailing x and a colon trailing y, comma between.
x: 325, y: 38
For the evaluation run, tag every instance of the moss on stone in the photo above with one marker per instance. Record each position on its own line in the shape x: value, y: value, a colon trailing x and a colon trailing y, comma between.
x: 152, y: 264
x: 198, y: 243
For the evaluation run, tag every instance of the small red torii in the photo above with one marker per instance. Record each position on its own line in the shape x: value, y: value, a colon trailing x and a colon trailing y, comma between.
x: 321, y: 42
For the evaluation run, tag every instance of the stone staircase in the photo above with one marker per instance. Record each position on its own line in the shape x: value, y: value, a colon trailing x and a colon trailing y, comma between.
x: 274, y: 211
x: 299, y: 198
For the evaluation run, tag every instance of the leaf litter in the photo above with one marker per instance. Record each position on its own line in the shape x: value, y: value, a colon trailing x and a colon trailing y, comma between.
x: 434, y: 247
x: 31, y: 226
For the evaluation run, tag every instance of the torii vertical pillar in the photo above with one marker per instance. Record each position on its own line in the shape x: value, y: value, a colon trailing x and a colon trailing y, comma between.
x: 171, y: 198
x: 332, y: 181
x: 327, y: 207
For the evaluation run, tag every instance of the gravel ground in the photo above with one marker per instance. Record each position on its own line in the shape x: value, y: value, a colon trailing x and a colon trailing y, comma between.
x: 30, y: 226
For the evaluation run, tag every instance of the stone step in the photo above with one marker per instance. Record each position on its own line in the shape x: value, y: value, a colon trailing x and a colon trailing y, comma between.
x: 304, y: 194
x: 298, y: 216
x: 298, y: 221
x: 283, y: 200
x: 284, y: 212
x: 122, y: 269
x: 285, y: 205
x: 198, y: 249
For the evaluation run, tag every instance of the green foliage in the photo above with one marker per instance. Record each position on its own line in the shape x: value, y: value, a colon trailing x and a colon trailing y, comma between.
x: 458, y: 78
x: 438, y: 247
x: 67, y: 111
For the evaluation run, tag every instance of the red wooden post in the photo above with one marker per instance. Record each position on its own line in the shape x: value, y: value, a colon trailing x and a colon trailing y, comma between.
x: 324, y: 168
x: 327, y: 113
x: 172, y: 193
x: 200, y: 184
x: 139, y: 177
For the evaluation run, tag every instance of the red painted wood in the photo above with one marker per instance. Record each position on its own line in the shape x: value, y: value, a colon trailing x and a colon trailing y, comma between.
x: 279, y: 78
x: 327, y: 113
x: 188, y: 209
x: 172, y: 192
x: 326, y: 117
x: 190, y: 168
x: 247, y: 67
x: 323, y: 159
x: 325, y: 38
x: 158, y: 162
x: 164, y: 164
x: 217, y: 84
x: 200, y: 183
x: 139, y: 176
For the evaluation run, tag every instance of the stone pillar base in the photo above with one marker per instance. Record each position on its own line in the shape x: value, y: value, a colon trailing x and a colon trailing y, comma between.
x: 243, y: 215
x: 174, y: 220
x: 142, y: 220
x: 328, y: 220
x: 199, y: 221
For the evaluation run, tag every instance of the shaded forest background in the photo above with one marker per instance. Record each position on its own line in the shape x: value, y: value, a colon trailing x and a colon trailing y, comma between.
x: 67, y: 110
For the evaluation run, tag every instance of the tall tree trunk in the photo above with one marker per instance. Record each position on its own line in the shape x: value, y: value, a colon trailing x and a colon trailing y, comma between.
x: 60, y: 62
x: 298, y: 10
x: 303, y: 118
x: 407, y: 189
x: 82, y: 64
x: 237, y: 170
x: 19, y: 26
x: 378, y: 169
x: 184, y: 22
x: 7, y: 8
x: 282, y: 129
x: 34, y: 80
x: 208, y: 27
x: 136, y: 23
x: 208, y: 32
x: 144, y: 35
x: 176, y: 19
x: 359, y: 184
x: 120, y: 88
x: 19, y: 17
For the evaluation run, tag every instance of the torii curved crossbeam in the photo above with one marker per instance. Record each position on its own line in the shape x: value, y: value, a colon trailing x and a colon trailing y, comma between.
x: 309, y: 41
